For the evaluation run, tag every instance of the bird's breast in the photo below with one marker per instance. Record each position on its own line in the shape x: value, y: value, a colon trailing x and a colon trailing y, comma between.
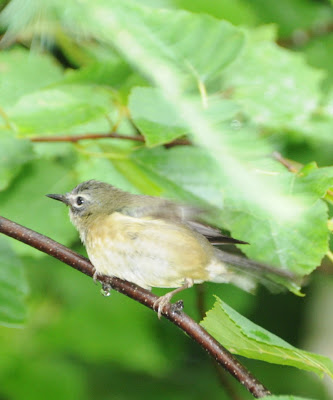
x: 148, y: 252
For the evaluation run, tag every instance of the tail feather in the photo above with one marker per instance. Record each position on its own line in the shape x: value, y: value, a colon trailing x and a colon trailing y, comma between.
x: 246, y: 273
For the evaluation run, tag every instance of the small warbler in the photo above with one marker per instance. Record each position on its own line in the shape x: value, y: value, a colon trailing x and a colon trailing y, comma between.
x: 154, y: 242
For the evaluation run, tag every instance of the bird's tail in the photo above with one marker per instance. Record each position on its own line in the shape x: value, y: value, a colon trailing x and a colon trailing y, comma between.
x: 246, y: 273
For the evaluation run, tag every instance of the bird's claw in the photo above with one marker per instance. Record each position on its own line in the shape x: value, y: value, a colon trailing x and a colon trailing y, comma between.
x: 163, y: 301
x: 95, y: 277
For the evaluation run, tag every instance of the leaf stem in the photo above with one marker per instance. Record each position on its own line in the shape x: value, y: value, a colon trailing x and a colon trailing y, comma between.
x: 180, y: 319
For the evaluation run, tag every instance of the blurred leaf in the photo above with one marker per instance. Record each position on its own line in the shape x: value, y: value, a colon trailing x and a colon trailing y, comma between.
x: 101, y: 168
x: 182, y: 49
x: 241, y: 336
x: 268, y: 82
x: 155, y: 117
x: 23, y: 72
x: 292, y: 15
x: 34, y: 379
x: 59, y: 109
x: 13, y: 287
x: 220, y: 42
x: 161, y: 123
x: 279, y: 243
x: 75, y: 315
x: 317, y: 52
x: 112, y: 74
x: 25, y: 202
x: 315, y: 182
x: 14, y: 153
x: 237, y: 12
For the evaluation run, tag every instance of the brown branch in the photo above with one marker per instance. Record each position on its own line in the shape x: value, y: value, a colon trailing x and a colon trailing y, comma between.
x: 290, y: 165
x: 94, y: 136
x: 183, y: 321
x: 87, y: 136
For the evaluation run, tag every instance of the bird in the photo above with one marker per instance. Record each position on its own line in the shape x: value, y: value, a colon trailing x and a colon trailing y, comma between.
x: 156, y: 242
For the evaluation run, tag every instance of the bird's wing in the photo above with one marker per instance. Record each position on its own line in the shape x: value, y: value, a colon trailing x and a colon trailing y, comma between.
x: 189, y: 215
x: 214, y: 235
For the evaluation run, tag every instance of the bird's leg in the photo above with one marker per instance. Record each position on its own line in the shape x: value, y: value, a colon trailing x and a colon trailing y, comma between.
x: 162, y: 301
x: 95, y: 276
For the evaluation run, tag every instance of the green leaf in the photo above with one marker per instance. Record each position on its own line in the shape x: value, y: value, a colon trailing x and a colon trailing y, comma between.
x: 13, y: 287
x: 102, y: 168
x: 292, y: 15
x: 23, y: 72
x: 318, y: 126
x: 220, y: 42
x: 14, y: 153
x: 161, y: 123
x: 243, y: 337
x: 317, y: 52
x: 182, y: 49
x: 315, y: 182
x: 189, y: 174
x: 59, y: 109
x: 156, y: 119
x: 25, y: 202
x: 237, y: 12
x: 289, y: 245
x: 271, y: 92
x: 112, y: 74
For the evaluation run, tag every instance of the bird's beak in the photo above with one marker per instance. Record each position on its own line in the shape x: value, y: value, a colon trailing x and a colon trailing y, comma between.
x: 60, y: 197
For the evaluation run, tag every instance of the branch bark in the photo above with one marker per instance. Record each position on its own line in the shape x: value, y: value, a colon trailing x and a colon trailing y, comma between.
x: 183, y: 321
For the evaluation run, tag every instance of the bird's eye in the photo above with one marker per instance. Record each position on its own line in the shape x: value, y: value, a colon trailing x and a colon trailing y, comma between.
x: 79, y: 201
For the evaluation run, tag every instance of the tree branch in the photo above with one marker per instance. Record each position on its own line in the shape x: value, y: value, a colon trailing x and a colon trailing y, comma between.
x: 183, y: 321
x: 94, y: 136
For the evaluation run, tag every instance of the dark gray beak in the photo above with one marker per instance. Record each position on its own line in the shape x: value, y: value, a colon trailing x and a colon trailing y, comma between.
x: 59, y: 197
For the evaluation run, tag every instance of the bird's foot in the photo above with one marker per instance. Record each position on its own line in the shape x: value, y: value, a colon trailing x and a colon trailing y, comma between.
x: 160, y: 304
x: 163, y: 301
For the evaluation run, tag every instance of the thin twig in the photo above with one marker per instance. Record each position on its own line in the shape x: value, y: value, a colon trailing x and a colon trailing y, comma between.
x: 183, y: 321
x: 86, y: 136
x: 286, y: 163
x: 94, y: 136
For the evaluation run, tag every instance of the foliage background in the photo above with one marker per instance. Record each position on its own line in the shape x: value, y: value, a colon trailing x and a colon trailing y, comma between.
x: 68, y: 69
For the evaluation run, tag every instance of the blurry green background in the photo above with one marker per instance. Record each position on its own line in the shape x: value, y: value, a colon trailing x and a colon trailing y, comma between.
x: 75, y: 343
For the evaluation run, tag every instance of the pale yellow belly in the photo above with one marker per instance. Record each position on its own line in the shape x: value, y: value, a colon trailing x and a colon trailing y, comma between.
x: 150, y: 253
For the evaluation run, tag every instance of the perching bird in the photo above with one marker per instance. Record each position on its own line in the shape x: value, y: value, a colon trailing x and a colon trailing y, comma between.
x: 154, y: 242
